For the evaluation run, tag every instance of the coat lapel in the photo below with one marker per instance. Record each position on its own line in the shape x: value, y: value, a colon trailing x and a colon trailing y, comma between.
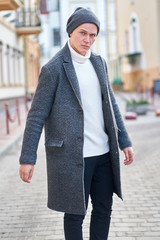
x: 71, y: 74
x: 99, y: 68
x: 102, y: 76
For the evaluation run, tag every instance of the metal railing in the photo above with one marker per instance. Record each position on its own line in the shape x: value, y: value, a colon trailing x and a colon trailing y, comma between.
x: 27, y: 17
x: 16, y: 116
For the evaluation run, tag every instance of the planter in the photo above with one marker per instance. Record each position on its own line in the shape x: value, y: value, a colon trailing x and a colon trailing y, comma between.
x: 131, y: 108
x: 140, y: 109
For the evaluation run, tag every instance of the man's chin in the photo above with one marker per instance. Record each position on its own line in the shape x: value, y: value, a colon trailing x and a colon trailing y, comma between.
x: 84, y: 52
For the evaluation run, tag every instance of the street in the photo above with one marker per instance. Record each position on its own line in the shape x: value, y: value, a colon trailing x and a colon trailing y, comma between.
x: 23, y: 211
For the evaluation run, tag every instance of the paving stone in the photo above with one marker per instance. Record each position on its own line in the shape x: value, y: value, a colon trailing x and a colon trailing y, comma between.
x: 24, y: 215
x: 121, y: 238
x: 152, y: 234
x: 148, y: 238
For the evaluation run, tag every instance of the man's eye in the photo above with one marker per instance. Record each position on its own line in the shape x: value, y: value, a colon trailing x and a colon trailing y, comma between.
x: 83, y: 33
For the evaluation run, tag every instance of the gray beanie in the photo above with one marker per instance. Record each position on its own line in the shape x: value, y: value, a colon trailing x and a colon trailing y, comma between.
x: 80, y: 16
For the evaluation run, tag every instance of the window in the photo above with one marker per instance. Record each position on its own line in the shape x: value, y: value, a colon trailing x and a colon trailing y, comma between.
x: 14, y: 65
x: 56, y: 37
x: 8, y: 63
x: 126, y: 42
x: 135, y: 39
x: 134, y: 34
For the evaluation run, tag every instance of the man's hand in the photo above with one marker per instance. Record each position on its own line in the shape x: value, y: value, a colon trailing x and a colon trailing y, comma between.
x: 26, y: 172
x: 128, y: 152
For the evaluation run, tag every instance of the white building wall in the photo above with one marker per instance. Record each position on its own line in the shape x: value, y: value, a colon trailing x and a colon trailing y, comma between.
x: 54, y: 22
x: 64, y: 15
x: 11, y: 92
x: 102, y: 39
x: 13, y: 84
x: 44, y: 35
x: 49, y: 22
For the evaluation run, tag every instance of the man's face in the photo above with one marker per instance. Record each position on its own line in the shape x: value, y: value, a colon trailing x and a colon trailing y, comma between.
x: 82, y: 38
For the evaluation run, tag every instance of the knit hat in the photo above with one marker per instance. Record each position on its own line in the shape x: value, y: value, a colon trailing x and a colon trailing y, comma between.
x: 80, y: 16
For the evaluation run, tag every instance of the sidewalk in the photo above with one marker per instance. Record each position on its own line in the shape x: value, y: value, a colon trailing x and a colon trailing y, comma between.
x: 16, y: 133
x: 24, y: 215
x: 23, y: 211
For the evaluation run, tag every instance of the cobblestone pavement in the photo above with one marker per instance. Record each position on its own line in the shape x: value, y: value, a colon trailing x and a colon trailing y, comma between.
x: 23, y: 211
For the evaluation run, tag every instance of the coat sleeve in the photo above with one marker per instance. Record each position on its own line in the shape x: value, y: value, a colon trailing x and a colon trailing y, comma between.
x: 40, y: 108
x: 123, y: 137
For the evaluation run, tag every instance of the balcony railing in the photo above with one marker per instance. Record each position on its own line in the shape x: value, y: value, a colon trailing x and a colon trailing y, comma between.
x: 27, y: 21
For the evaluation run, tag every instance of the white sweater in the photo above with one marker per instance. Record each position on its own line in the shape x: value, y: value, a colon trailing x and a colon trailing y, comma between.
x: 95, y: 137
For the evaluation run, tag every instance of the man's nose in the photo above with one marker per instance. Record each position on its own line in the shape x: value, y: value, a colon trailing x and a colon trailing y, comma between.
x: 87, y: 38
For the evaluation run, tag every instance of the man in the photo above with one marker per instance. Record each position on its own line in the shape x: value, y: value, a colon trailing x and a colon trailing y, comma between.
x: 83, y: 127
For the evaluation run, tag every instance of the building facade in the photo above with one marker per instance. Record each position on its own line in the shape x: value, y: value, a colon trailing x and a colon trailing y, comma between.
x: 19, y: 48
x: 138, y: 36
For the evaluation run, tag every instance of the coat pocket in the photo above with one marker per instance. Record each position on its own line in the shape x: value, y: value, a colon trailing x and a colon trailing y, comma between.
x: 54, y: 143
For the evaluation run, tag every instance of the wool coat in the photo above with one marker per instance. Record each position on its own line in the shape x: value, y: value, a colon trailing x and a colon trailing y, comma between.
x: 57, y: 106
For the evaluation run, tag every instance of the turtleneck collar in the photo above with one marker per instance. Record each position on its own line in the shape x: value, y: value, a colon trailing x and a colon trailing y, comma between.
x: 78, y: 57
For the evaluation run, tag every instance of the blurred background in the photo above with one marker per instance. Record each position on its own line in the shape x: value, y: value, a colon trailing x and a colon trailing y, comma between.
x: 31, y: 32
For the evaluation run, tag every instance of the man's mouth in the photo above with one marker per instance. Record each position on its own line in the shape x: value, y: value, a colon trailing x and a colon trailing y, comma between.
x: 85, y: 46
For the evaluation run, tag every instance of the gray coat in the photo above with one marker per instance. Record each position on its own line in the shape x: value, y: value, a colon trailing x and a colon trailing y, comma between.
x: 57, y: 105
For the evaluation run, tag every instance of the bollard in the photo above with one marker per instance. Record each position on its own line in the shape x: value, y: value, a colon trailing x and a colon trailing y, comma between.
x: 17, y: 111
x: 26, y: 104
x: 7, y: 118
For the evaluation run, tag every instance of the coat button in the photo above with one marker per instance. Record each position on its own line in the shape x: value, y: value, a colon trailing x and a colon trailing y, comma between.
x: 80, y: 165
x: 80, y: 139
x: 80, y: 111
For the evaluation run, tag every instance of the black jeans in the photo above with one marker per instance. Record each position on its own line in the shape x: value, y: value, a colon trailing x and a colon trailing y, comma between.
x: 99, y: 185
